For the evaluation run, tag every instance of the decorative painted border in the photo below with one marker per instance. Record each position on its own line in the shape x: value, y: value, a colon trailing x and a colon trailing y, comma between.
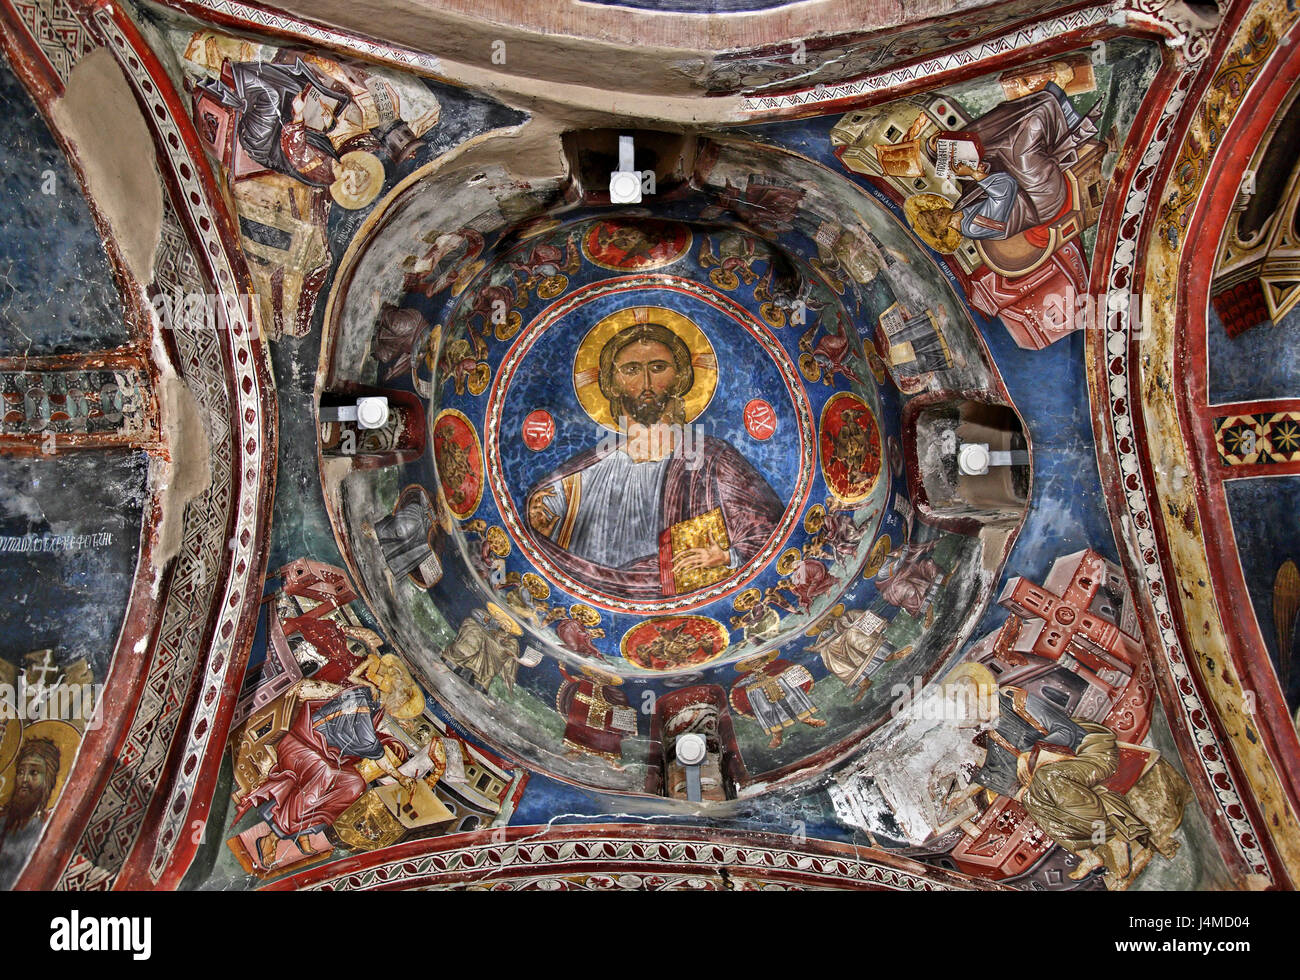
x: 1247, y: 440
x: 62, y: 38
x: 611, y: 856
x: 248, y: 16
x: 1239, y: 69
x: 242, y: 588
x: 1026, y: 36
x: 1136, y: 520
x: 137, y: 417
x: 1232, y: 659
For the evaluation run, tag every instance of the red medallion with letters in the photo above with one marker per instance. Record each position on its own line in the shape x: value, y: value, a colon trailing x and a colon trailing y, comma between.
x: 538, y: 430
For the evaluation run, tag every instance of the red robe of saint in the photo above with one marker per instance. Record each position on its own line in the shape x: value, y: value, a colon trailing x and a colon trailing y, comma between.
x: 588, y: 710
x: 315, y: 779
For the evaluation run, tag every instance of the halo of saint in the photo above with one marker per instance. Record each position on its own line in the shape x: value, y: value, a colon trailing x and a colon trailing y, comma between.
x: 586, y: 361
x: 59, y: 739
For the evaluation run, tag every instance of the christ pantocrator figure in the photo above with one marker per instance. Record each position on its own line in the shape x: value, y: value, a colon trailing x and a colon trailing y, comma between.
x: 601, y: 515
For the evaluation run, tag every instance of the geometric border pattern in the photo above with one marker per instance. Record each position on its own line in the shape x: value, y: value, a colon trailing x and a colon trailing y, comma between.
x: 583, y: 860
x: 1247, y: 440
x: 1026, y: 36
x: 1120, y: 326
x: 243, y: 448
x: 259, y: 17
x: 94, y: 416
x: 56, y: 30
x: 115, y: 823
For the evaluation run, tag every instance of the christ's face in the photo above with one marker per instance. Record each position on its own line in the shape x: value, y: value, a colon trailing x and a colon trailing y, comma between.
x: 645, y: 377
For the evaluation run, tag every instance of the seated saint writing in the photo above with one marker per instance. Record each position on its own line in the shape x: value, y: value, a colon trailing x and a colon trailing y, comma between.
x: 315, y: 776
x: 613, y: 517
x: 1025, y: 146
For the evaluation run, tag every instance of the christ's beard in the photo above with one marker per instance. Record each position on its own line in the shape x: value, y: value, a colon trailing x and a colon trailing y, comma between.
x: 650, y: 408
x: 25, y: 803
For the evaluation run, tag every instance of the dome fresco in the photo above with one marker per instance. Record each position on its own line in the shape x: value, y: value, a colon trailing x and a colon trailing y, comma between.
x: 895, y: 491
x: 549, y: 407
x: 664, y: 454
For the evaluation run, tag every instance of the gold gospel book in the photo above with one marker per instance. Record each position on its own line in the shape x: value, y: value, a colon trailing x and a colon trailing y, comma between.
x: 694, y: 532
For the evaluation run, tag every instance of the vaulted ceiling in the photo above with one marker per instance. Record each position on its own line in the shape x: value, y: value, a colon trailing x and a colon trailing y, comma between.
x: 895, y: 472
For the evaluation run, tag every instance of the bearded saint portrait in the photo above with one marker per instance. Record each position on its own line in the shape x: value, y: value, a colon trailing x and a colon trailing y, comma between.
x: 23, y: 816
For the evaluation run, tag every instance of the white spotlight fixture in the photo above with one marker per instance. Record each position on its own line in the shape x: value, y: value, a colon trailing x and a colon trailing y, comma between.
x: 370, y: 412
x: 625, y: 182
